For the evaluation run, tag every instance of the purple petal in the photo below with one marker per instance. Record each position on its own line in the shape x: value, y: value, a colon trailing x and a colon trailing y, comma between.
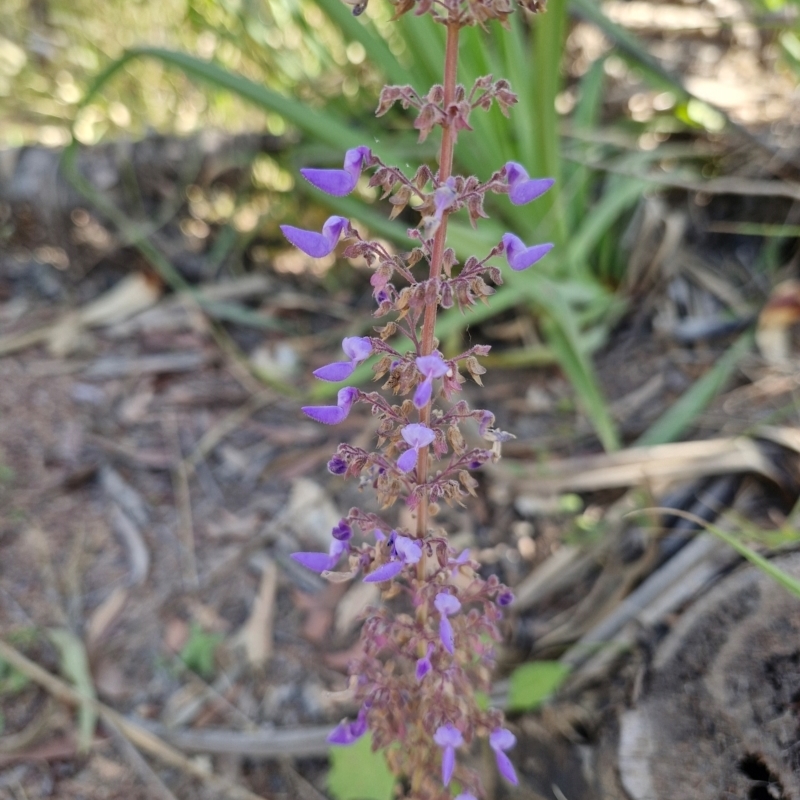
x: 358, y: 348
x: 505, y: 598
x: 310, y: 242
x: 338, y: 371
x: 337, y: 465
x: 446, y: 635
x: 407, y: 461
x: 418, y: 435
x: 379, y: 535
x: 385, y: 572
x: 526, y: 191
x: 408, y: 550
x: 342, y: 531
x: 327, y: 415
x: 448, y: 764
x: 423, y: 394
x: 337, y: 182
x: 443, y: 198
x: 521, y: 257
x: 515, y: 173
x: 432, y: 366
x: 448, y: 736
x: 505, y: 767
x: 346, y: 733
x: 423, y: 667
x: 317, y: 562
x: 501, y: 739
x: 466, y: 796
x: 446, y: 604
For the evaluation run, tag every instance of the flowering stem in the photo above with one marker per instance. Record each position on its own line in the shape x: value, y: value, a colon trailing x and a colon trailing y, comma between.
x: 429, y: 322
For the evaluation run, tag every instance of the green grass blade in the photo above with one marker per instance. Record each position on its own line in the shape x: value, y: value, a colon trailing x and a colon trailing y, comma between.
x: 680, y: 416
x: 784, y: 579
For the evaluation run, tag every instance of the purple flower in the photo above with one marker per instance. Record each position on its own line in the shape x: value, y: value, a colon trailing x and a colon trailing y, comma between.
x: 432, y: 366
x: 505, y: 598
x: 319, y: 562
x: 466, y: 796
x: 347, y: 732
x: 404, y: 551
x: 337, y: 466
x: 444, y: 197
x: 446, y: 604
x: 357, y: 348
x: 317, y: 245
x: 448, y: 738
x: 342, y: 531
x: 519, y: 255
x: 424, y: 665
x: 522, y: 188
x: 499, y: 740
x: 340, y: 182
x: 415, y: 435
x: 333, y: 415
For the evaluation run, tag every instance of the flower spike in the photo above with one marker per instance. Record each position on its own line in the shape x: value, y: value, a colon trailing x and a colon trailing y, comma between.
x: 358, y: 348
x: 340, y: 182
x: 416, y: 435
x: 519, y: 255
x: 317, y: 245
x: 522, y: 188
x: 333, y: 415
x: 499, y: 740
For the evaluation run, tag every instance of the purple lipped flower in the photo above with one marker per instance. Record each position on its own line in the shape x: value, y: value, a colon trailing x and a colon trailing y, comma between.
x: 523, y: 188
x: 337, y: 466
x: 415, y: 435
x: 447, y: 605
x: 448, y: 737
x: 342, y: 531
x: 339, y: 182
x: 519, y: 255
x: 424, y: 665
x: 444, y: 197
x: 346, y: 733
x: 333, y: 415
x: 404, y: 551
x: 430, y: 367
x: 499, y: 740
x: 320, y: 562
x: 357, y: 348
x: 505, y: 598
x: 317, y: 245
x: 407, y: 549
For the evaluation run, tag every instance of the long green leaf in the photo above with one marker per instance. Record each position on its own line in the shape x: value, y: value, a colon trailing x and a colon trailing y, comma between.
x: 682, y: 414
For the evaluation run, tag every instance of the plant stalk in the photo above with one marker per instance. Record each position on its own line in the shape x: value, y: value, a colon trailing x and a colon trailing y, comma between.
x: 439, y: 240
